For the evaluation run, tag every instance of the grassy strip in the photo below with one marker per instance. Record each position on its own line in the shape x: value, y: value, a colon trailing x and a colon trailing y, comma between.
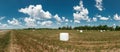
x: 4, y: 41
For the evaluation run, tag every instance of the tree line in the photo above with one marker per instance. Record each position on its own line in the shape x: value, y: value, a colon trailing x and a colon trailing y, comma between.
x: 100, y: 27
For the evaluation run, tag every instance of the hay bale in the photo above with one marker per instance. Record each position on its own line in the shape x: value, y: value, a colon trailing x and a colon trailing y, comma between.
x: 33, y: 30
x: 81, y: 31
x: 101, y: 30
x: 64, y: 36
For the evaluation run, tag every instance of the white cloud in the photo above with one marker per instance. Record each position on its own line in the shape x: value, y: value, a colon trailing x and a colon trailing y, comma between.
x: 36, y: 12
x: 1, y: 18
x: 94, y: 19
x: 57, y: 18
x: 46, y: 23
x: 81, y: 12
x: 76, y: 21
x: 13, y: 22
x: 3, y: 25
x: 99, y: 5
x: 102, y: 18
x: 30, y: 22
x: 114, y: 24
x: 58, y: 23
x: 63, y: 18
x: 38, y: 22
x: 66, y: 20
x: 89, y: 20
x: 116, y: 17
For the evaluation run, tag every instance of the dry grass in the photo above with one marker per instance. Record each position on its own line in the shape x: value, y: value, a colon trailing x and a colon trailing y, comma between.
x: 4, y: 41
x: 48, y: 41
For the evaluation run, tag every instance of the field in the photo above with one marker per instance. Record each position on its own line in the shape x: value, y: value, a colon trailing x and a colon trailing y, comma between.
x: 48, y: 41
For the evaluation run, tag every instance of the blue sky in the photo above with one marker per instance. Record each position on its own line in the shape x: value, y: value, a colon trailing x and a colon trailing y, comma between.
x: 56, y: 13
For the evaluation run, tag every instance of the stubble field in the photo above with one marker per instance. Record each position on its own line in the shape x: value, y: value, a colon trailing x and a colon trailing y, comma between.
x: 48, y: 41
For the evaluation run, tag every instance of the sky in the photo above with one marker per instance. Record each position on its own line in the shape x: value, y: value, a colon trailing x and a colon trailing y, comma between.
x: 16, y: 14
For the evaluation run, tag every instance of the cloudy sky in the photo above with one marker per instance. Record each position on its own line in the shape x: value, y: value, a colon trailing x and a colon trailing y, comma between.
x: 56, y: 13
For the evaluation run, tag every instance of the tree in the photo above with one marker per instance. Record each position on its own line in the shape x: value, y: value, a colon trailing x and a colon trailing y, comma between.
x: 117, y: 28
x: 100, y: 27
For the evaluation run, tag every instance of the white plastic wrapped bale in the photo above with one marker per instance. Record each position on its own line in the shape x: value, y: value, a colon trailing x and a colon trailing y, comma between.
x: 101, y: 30
x: 33, y: 30
x: 81, y: 31
x: 64, y: 36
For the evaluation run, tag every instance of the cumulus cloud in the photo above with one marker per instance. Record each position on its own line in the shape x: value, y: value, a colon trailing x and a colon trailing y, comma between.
x: 13, y: 22
x: 114, y: 24
x: 76, y: 21
x: 102, y: 18
x: 116, y: 17
x: 46, y: 23
x: 81, y: 12
x: 89, y: 20
x: 38, y: 22
x: 3, y: 25
x: 65, y: 19
x: 99, y: 5
x: 57, y: 18
x: 30, y: 22
x: 36, y: 12
x: 1, y: 18
x: 94, y: 19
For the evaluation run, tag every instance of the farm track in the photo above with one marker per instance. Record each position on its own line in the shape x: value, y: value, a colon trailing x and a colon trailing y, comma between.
x: 29, y: 41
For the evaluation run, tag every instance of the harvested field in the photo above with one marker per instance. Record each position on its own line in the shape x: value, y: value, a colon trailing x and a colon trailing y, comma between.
x: 48, y: 41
